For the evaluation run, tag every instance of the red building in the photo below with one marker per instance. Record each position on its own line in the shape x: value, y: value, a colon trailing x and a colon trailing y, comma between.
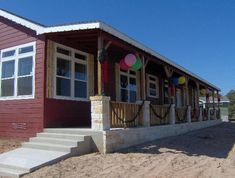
x: 49, y: 73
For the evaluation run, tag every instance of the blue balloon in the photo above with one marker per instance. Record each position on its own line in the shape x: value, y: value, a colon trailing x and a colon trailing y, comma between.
x: 175, y: 81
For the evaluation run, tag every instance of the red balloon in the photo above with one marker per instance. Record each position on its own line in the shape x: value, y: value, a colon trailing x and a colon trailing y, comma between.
x: 123, y: 65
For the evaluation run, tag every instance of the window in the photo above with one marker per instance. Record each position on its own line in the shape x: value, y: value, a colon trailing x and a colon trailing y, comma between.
x: 153, y: 86
x: 71, y: 73
x: 17, y: 72
x: 128, y: 86
x: 166, y: 92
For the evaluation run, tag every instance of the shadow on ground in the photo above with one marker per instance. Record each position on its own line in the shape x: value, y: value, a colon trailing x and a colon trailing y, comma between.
x: 215, y: 141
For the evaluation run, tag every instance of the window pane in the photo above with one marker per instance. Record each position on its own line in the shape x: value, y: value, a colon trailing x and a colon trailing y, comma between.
x: 152, y: 78
x: 62, y: 87
x: 124, y: 95
x: 8, y: 69
x: 7, y: 87
x: 132, y: 85
x: 26, y: 49
x: 8, y: 53
x: 79, y: 56
x: 63, y: 67
x: 25, y: 86
x: 80, y: 71
x: 152, y: 86
x: 132, y: 96
x: 25, y: 66
x: 123, y: 81
x: 152, y: 92
x: 80, y: 89
x: 63, y: 51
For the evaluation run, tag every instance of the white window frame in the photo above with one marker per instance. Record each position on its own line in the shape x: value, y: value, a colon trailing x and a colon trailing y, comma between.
x: 16, y: 58
x: 156, y: 83
x: 128, y: 75
x: 72, y: 61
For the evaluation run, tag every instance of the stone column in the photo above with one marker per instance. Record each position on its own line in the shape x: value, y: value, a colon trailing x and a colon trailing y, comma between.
x: 100, y: 113
x: 200, y: 113
x: 189, y: 114
x: 209, y: 114
x: 146, y: 114
x: 172, y: 114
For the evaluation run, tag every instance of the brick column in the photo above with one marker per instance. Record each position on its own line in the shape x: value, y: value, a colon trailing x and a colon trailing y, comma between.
x: 172, y: 114
x: 100, y: 113
x: 189, y: 114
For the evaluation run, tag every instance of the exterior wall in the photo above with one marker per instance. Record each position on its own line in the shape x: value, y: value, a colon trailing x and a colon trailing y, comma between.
x: 60, y: 112
x: 22, y: 118
x: 65, y: 113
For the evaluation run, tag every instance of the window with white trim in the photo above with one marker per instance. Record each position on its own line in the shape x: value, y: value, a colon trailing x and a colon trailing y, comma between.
x: 128, y: 86
x: 71, y: 73
x: 17, y: 72
x: 153, y: 86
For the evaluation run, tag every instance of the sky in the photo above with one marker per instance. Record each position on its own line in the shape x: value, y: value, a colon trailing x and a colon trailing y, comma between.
x: 198, y: 35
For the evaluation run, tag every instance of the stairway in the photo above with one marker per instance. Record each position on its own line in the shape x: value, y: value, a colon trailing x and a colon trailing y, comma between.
x: 46, y: 148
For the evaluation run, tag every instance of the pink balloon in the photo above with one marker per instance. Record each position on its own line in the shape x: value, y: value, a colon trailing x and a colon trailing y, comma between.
x: 130, y: 59
x: 123, y: 65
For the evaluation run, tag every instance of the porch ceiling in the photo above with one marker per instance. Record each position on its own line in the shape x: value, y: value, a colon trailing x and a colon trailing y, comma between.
x: 85, y: 40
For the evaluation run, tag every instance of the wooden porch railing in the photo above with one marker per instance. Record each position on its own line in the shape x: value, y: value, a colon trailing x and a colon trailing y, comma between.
x: 181, y: 114
x: 159, y: 114
x: 125, y: 114
x: 195, y: 114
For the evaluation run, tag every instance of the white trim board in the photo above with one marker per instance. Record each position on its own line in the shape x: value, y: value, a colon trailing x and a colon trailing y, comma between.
x: 97, y: 25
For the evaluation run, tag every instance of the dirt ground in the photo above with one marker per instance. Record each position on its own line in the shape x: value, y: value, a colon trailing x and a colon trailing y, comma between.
x: 9, y: 144
x: 204, y: 153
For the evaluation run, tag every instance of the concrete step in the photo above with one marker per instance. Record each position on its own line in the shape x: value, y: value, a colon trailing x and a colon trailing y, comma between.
x: 47, y: 146
x: 62, y: 136
x: 80, y: 131
x: 7, y: 172
x: 14, y: 167
x: 58, y: 141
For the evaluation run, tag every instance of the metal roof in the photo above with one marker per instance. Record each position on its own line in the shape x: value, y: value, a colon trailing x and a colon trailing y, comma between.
x: 41, y: 29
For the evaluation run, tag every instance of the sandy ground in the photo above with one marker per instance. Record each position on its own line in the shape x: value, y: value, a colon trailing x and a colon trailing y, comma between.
x: 205, y: 153
x: 7, y: 145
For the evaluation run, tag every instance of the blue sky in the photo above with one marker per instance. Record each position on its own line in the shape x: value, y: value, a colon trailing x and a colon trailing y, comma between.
x: 198, y: 35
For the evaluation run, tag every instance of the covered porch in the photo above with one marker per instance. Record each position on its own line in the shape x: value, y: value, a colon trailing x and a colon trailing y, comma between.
x: 86, y: 63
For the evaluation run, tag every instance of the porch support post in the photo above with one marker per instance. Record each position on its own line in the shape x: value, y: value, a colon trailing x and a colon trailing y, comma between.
x: 143, y: 87
x: 197, y: 95
x: 172, y: 114
x: 200, y: 113
x: 189, y: 114
x: 100, y: 113
x: 213, y: 98
x: 99, y: 66
x: 187, y: 92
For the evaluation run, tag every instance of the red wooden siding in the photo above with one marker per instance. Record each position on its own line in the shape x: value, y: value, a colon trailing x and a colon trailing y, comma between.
x: 22, y: 118
x: 65, y: 113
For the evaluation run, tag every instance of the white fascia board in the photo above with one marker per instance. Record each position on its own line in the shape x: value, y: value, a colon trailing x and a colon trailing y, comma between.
x: 64, y: 28
x: 133, y: 42
x: 21, y: 21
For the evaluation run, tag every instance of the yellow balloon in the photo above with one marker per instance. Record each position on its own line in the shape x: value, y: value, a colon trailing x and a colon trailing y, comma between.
x: 181, y: 80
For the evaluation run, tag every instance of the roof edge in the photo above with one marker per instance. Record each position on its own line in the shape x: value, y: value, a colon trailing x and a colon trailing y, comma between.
x: 40, y: 29
x: 22, y: 21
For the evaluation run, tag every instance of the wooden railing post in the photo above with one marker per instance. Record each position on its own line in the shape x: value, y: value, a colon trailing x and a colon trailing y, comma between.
x: 100, y: 113
x: 189, y: 114
x: 172, y: 114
